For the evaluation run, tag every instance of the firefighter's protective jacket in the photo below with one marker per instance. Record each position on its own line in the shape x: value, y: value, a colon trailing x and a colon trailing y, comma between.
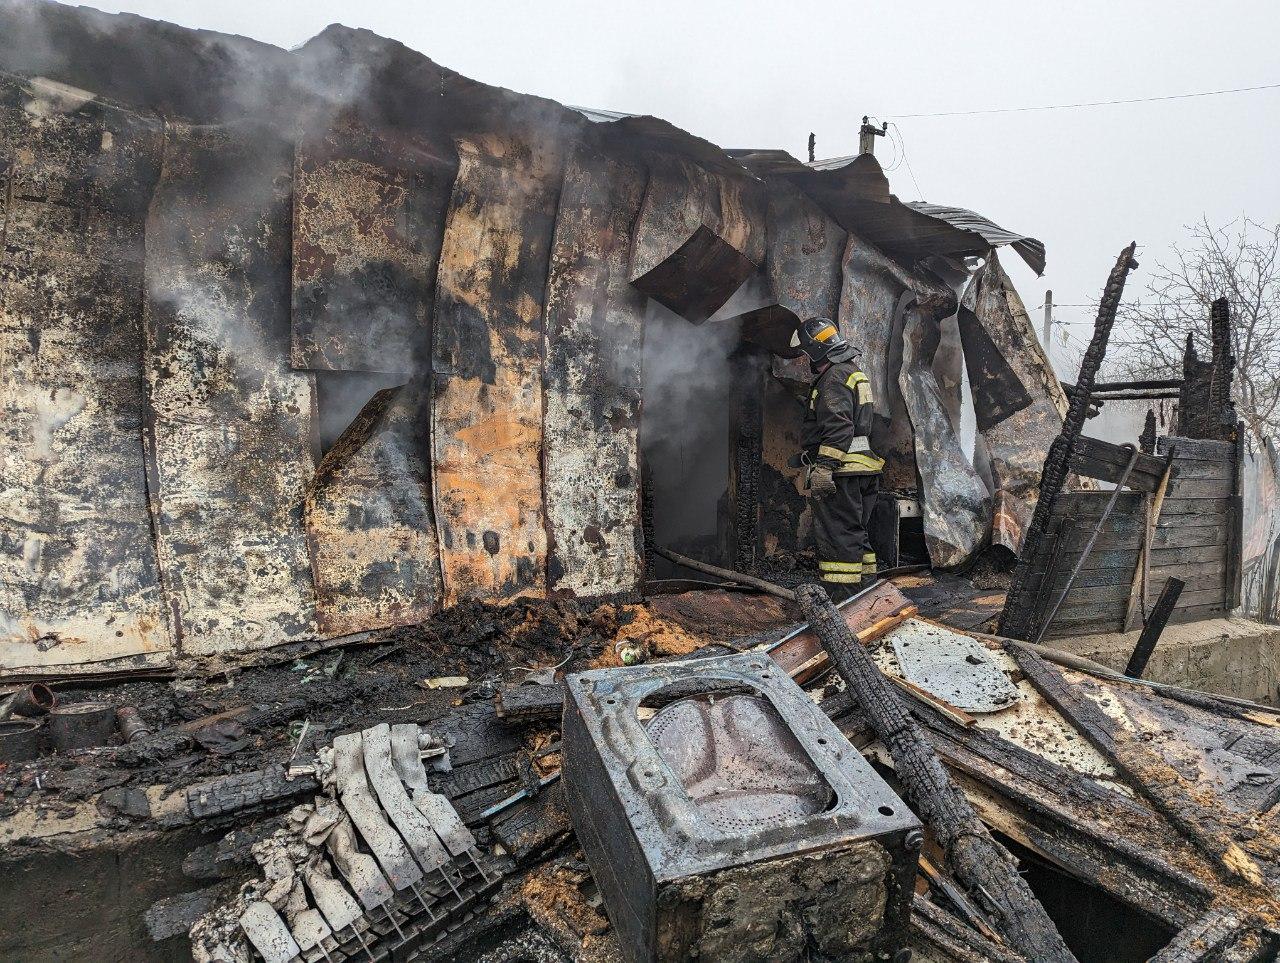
x: 837, y: 426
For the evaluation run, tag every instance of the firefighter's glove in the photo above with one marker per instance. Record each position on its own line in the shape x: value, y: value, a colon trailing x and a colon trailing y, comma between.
x: 821, y: 484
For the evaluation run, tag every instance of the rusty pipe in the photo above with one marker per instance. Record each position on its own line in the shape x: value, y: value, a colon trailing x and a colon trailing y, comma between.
x: 29, y: 702
x: 131, y: 725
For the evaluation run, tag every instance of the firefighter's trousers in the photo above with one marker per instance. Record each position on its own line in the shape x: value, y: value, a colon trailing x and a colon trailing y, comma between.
x: 840, y: 526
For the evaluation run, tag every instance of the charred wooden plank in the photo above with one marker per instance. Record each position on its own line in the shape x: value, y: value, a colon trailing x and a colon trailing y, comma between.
x: 591, y: 382
x: 526, y: 703
x: 977, y: 859
x: 1205, y: 824
x: 1156, y: 622
x: 531, y: 828
x: 1073, y: 821
x: 1205, y: 938
x: 1197, y: 449
x: 1201, y: 489
x: 940, y: 929
x: 1094, y: 458
x: 486, y: 412
x: 1016, y: 619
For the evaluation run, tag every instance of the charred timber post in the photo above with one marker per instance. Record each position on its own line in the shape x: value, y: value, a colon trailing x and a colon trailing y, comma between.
x: 1015, y: 620
x: 978, y: 861
x: 1159, y: 618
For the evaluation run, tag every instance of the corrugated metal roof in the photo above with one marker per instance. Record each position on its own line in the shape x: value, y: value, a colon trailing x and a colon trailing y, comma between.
x: 854, y: 191
x: 1031, y: 249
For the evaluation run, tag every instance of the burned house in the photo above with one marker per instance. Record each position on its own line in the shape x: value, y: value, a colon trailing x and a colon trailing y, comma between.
x: 344, y: 393
x: 313, y: 343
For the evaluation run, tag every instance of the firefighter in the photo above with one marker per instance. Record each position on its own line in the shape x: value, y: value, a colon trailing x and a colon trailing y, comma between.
x: 843, y: 471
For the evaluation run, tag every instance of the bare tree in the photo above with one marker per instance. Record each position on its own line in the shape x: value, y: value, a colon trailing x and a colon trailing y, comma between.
x: 1239, y: 261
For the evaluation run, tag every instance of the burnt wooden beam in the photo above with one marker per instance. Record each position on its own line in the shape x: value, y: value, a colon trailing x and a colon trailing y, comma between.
x: 1092, y: 831
x: 1156, y: 622
x: 1224, y: 838
x: 1223, y: 928
x: 1137, y: 385
x: 1235, y: 544
x: 1105, y: 460
x: 1016, y: 619
x: 976, y: 858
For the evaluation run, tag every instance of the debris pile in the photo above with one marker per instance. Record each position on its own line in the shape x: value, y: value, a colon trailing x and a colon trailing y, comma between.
x: 381, y: 583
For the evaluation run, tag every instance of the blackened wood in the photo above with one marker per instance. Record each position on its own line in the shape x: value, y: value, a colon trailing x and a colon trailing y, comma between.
x: 1074, y: 822
x: 532, y: 827
x: 526, y: 703
x: 1220, y: 926
x: 1121, y: 480
x: 959, y: 942
x: 1016, y: 619
x: 1156, y: 622
x: 1105, y: 460
x: 1197, y: 449
x: 977, y: 860
x: 1215, y: 831
x: 1235, y: 545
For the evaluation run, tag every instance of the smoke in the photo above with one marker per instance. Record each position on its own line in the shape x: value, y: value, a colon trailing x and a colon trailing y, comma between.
x: 689, y: 393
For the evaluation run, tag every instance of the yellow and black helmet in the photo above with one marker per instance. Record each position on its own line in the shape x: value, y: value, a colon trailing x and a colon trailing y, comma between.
x: 820, y: 339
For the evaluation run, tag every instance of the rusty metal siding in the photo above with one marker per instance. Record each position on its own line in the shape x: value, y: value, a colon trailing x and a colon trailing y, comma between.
x: 954, y: 499
x: 699, y: 236
x: 368, y: 218
x: 79, y: 581
x: 870, y: 317
x: 993, y: 318
x: 370, y: 523
x: 486, y: 412
x: 231, y: 422
x: 591, y: 382
x: 803, y: 253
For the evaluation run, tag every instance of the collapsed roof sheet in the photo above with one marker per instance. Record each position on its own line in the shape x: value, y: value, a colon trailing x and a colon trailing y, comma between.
x: 855, y: 191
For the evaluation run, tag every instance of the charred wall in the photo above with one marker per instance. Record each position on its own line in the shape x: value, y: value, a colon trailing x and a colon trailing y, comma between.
x: 307, y: 343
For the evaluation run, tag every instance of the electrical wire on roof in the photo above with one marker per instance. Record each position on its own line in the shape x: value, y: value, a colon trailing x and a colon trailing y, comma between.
x: 902, y: 139
x: 1093, y: 103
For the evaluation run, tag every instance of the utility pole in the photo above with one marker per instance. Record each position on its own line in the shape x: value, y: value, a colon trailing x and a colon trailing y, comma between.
x: 1048, y: 326
x: 867, y: 136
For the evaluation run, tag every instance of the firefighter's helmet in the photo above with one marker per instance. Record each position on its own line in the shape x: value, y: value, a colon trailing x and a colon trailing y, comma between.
x: 820, y: 339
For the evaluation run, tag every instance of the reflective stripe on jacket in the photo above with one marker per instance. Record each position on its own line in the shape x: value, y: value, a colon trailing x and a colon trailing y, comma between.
x: 837, y: 425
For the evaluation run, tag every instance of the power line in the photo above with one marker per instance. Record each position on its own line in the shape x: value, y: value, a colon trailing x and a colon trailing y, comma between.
x: 903, y: 140
x: 1094, y: 103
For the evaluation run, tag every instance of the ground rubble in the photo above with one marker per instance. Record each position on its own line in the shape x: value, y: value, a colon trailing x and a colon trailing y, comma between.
x: 483, y: 686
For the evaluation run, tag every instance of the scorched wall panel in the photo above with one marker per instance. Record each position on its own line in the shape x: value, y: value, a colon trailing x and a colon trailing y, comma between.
x: 79, y: 581
x: 231, y: 420
x: 954, y: 500
x: 593, y: 343
x: 996, y: 331
x: 486, y: 415
x: 370, y: 523
x: 368, y: 216
x: 871, y: 316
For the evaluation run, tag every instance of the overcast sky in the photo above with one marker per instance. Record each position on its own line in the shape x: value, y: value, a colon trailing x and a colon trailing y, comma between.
x: 755, y: 74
